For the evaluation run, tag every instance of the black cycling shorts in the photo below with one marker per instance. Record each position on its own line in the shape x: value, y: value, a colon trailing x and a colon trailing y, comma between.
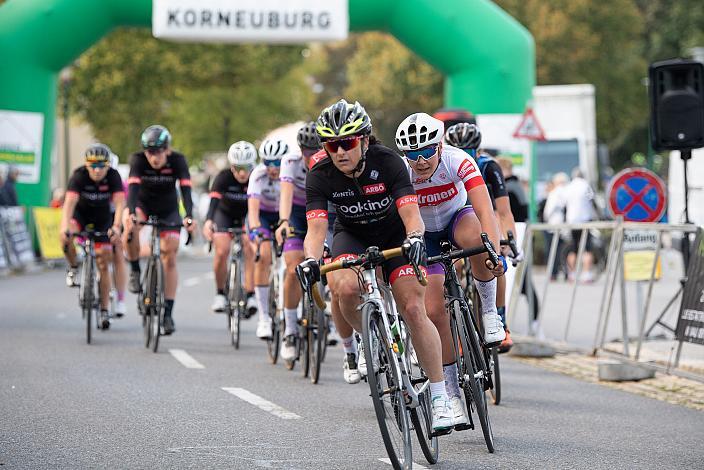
x: 95, y: 223
x: 223, y: 222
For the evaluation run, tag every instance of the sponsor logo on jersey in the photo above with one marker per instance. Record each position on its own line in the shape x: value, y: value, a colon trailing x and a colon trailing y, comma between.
x: 345, y: 193
x: 465, y: 168
x: 436, y: 195
x: 377, y: 188
x: 103, y: 187
x: 368, y: 206
x: 442, y: 176
x: 410, y: 199
x: 166, y: 171
x: 316, y: 214
x: 374, y: 174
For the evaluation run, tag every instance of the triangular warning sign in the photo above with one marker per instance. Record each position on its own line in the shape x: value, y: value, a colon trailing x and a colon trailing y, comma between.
x: 529, y: 128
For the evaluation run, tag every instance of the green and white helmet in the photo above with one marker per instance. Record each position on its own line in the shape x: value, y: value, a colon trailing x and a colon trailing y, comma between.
x: 343, y: 120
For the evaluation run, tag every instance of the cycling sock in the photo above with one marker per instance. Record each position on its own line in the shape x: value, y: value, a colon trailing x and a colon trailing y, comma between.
x: 221, y: 291
x: 350, y: 345
x: 135, y: 265
x: 502, y: 313
x: 291, y: 315
x: 120, y: 296
x: 437, y: 390
x: 452, y: 385
x: 487, y: 294
x: 262, y: 295
x: 168, y: 307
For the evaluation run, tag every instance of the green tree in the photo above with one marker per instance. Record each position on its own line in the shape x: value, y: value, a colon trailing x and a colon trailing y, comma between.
x: 209, y: 95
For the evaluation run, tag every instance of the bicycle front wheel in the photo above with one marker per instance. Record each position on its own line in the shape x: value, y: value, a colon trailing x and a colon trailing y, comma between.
x: 273, y: 343
x: 473, y: 375
x: 495, y: 391
x: 386, y: 390
x: 421, y: 416
x: 317, y: 340
x: 88, y: 292
x: 235, y: 304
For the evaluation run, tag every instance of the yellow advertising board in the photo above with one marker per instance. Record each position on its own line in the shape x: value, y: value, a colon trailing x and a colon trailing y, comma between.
x: 638, y: 265
x: 48, y: 222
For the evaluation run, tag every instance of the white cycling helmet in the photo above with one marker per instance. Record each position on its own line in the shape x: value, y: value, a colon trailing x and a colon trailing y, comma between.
x: 114, y: 160
x: 419, y: 130
x: 273, y: 149
x: 242, y: 153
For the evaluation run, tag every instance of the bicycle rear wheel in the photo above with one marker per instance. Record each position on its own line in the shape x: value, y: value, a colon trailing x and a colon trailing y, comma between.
x: 274, y: 342
x: 386, y: 390
x: 473, y: 375
x: 495, y: 391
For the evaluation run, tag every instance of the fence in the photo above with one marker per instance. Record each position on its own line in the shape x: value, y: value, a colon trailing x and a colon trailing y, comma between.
x: 590, y: 332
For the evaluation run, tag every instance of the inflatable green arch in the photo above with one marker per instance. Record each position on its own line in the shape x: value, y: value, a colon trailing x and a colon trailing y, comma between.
x: 487, y: 57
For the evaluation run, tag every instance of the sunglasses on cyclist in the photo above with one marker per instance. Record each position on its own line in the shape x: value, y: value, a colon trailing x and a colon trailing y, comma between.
x: 242, y: 167
x: 272, y: 163
x: 98, y: 165
x: 347, y: 144
x: 427, y: 153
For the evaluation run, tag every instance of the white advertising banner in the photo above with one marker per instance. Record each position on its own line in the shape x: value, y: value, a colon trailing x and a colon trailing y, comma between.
x: 21, y: 143
x: 269, y: 21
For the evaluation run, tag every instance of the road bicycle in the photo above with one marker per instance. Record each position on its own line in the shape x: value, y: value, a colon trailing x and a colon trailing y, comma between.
x: 276, y: 296
x: 89, y: 287
x: 400, y: 392
x: 472, y: 357
x: 150, y: 300
x: 234, y: 292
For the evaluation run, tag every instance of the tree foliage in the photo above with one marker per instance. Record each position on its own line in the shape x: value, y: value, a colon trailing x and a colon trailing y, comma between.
x: 208, y: 95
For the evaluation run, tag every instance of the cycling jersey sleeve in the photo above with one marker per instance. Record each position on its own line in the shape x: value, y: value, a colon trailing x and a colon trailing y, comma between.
x: 184, y: 182
x: 114, y: 181
x: 216, y: 191
x: 494, y: 178
x: 134, y: 180
x: 73, y: 184
x: 316, y: 201
x: 468, y: 172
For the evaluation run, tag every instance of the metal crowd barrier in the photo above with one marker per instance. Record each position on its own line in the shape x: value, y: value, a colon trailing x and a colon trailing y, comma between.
x: 612, y: 274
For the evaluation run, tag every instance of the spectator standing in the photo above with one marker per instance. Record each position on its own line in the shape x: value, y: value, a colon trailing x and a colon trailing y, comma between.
x: 579, y: 208
x: 8, y: 193
x: 554, y: 213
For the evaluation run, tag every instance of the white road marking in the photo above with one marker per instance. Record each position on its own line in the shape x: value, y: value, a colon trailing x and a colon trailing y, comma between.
x: 210, y: 275
x: 191, y: 281
x: 61, y: 316
x: 261, y: 403
x: 415, y: 465
x: 186, y: 359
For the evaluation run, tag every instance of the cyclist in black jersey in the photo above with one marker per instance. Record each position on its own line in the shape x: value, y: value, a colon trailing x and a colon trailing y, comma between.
x: 227, y: 210
x: 468, y: 138
x: 154, y: 174
x: 91, y: 191
x: 369, y: 186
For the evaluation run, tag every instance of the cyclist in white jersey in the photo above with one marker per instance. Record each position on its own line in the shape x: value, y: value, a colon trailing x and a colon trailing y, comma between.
x: 444, y: 177
x: 263, y: 215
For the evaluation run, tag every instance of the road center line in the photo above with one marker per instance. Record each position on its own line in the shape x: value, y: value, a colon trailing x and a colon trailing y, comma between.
x: 186, y: 359
x: 261, y: 403
x: 415, y: 465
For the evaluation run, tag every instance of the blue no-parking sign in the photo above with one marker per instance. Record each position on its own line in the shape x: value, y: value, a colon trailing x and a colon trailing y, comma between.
x: 639, y: 195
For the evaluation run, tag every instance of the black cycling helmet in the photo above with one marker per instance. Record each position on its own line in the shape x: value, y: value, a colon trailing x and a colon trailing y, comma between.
x: 308, y: 137
x: 97, y: 153
x: 464, y: 136
x: 343, y: 120
x: 156, y: 138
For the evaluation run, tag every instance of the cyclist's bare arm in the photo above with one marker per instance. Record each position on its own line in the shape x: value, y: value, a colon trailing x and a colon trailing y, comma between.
x: 315, y: 237
x: 481, y: 202
x: 118, y: 200
x: 410, y: 215
x: 253, y: 212
x: 70, y: 203
x: 285, y: 204
x: 503, y: 210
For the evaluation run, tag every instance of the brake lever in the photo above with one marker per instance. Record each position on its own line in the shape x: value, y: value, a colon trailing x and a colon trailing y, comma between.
x: 490, y: 249
x: 512, y: 243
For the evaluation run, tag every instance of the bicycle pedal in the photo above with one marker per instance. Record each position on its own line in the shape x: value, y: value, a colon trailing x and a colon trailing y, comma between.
x: 441, y: 432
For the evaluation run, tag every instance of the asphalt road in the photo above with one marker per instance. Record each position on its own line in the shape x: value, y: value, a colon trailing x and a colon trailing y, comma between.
x: 114, y: 404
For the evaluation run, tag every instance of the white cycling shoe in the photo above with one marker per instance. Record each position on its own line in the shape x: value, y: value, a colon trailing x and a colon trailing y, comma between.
x: 494, y: 331
x: 459, y: 415
x: 288, y: 348
x: 442, y: 415
x: 120, y: 309
x: 219, y: 303
x: 264, y: 329
x: 350, y: 370
x: 362, y: 362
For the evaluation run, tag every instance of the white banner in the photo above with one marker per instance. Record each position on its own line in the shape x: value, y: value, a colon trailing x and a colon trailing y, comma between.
x: 267, y: 21
x: 21, y: 143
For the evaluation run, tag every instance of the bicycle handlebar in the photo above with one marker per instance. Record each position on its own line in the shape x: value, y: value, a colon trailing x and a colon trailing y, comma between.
x: 485, y: 247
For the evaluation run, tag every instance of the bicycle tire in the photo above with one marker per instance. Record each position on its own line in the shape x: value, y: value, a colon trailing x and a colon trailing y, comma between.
x: 158, y: 320
x: 381, y: 382
x: 87, y: 286
x: 421, y: 416
x: 273, y: 343
x: 318, y: 340
x: 234, y: 296
x: 495, y: 391
x: 474, y: 390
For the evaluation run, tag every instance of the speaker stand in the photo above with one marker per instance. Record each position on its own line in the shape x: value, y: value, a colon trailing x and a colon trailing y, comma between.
x: 686, y: 155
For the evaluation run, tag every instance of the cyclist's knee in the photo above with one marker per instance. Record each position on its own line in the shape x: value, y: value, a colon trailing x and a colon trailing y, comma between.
x: 347, y: 292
